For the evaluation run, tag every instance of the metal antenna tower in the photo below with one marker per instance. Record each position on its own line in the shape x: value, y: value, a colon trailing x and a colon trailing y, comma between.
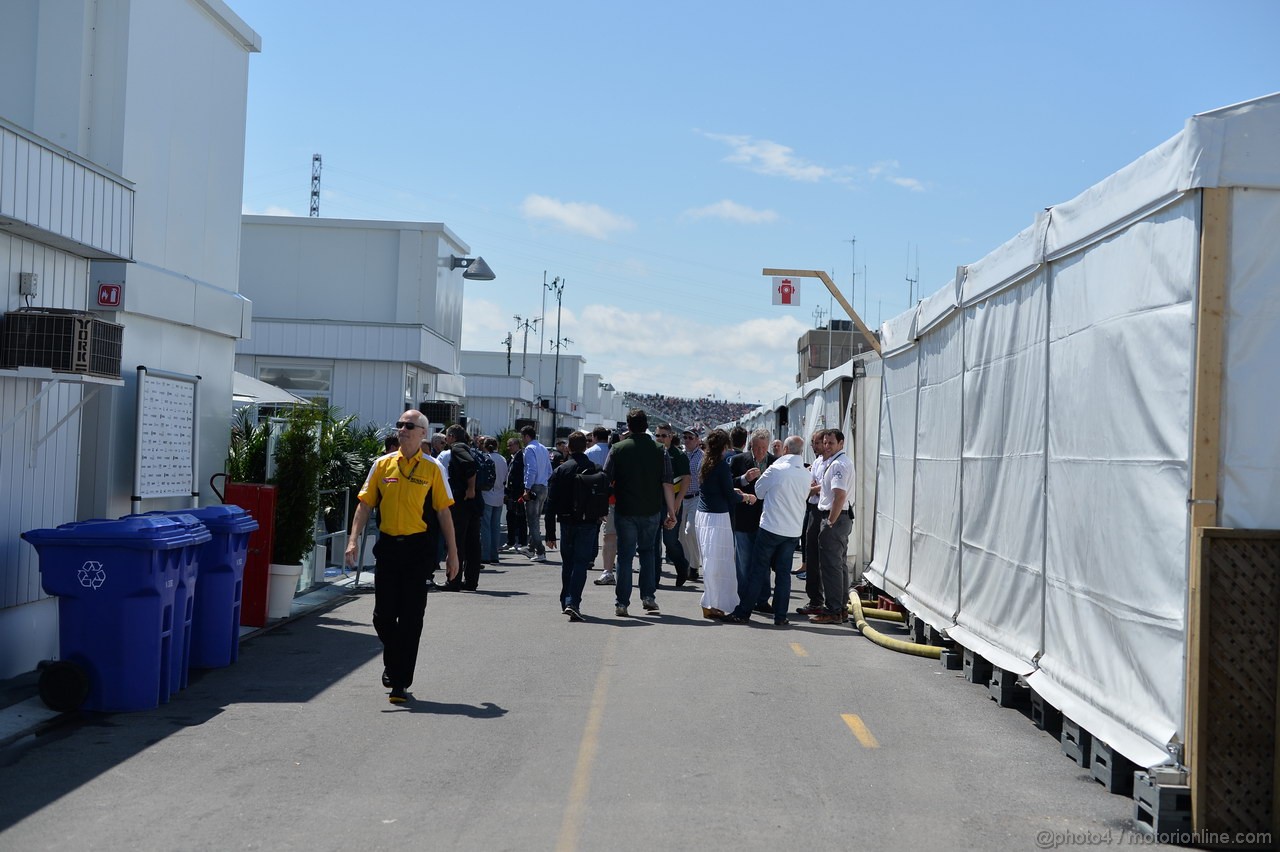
x: 912, y: 283
x: 315, y: 185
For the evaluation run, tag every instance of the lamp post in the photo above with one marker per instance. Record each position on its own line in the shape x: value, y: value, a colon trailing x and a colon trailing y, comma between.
x: 555, y: 408
x: 556, y: 287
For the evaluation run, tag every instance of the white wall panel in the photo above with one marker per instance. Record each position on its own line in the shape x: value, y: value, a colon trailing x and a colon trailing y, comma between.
x: 895, y: 472
x: 1121, y: 345
x: 1250, y: 451
x: 935, y: 561
x: 1003, y: 470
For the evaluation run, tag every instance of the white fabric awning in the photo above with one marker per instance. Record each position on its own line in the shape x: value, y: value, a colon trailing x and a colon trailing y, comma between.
x: 247, y: 389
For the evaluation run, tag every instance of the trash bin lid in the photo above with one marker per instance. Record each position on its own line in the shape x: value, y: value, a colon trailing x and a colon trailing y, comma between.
x: 224, y: 519
x: 139, y: 532
x: 194, y: 527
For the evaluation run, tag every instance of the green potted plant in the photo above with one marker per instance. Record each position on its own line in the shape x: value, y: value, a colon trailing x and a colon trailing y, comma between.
x: 298, y: 466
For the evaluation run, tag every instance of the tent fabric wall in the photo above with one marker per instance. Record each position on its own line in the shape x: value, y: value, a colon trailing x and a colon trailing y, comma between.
x: 1002, y: 546
x: 1118, y: 471
x: 1066, y: 531
x: 895, y: 472
x: 1250, y: 451
x: 935, y: 568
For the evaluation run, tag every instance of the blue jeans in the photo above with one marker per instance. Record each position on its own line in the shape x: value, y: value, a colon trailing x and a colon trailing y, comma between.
x: 490, y: 532
x: 578, y: 545
x: 636, y: 533
x: 771, y: 551
x: 533, y: 512
x: 743, y: 544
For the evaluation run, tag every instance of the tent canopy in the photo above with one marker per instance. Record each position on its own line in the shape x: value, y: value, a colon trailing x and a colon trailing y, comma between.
x: 246, y: 390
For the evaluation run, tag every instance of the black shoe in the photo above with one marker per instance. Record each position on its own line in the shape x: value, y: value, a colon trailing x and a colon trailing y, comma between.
x: 386, y: 679
x: 398, y: 695
x: 763, y: 609
x: 573, y: 613
x: 451, y: 587
x: 736, y: 619
x: 811, y: 609
x: 783, y: 623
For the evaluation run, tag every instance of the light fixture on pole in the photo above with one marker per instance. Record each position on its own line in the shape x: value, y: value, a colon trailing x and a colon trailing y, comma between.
x: 476, y: 268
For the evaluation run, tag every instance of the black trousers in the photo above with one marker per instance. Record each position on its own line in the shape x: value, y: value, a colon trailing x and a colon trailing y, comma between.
x: 403, y: 564
x: 466, y: 534
x: 813, y: 569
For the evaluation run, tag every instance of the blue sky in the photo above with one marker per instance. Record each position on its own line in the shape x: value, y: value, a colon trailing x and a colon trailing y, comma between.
x: 657, y: 156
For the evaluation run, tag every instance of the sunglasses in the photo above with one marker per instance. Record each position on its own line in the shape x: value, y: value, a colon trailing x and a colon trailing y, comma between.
x: 405, y: 424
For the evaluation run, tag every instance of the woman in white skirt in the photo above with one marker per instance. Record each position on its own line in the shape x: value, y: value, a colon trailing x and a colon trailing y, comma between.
x: 715, y: 531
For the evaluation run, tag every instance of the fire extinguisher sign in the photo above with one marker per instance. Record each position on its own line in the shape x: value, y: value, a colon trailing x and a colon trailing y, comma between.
x: 786, y: 291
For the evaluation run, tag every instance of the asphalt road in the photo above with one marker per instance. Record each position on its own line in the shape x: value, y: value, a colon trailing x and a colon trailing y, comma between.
x: 529, y: 732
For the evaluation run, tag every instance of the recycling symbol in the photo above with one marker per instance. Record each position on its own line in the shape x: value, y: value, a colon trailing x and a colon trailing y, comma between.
x: 92, y: 575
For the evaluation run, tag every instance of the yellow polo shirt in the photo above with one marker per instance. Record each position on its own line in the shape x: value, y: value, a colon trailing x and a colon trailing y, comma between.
x: 400, y: 487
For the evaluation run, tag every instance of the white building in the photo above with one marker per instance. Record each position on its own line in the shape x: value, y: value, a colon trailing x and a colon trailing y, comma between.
x: 122, y: 127
x: 365, y: 315
x: 565, y: 410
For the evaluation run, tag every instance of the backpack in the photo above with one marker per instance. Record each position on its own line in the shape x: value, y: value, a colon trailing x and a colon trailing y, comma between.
x: 591, y: 494
x: 486, y: 471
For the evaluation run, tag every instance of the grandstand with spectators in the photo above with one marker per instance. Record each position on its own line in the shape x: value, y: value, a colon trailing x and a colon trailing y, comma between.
x: 684, y: 413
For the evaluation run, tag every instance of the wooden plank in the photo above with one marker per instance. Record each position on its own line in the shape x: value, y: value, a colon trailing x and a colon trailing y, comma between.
x: 836, y: 294
x: 1205, y: 452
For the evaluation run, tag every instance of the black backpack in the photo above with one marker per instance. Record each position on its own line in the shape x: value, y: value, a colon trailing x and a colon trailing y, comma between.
x: 486, y: 471
x: 461, y: 466
x: 591, y: 494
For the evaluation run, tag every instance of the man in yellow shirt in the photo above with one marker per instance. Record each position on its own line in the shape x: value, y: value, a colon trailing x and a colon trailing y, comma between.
x: 407, y: 489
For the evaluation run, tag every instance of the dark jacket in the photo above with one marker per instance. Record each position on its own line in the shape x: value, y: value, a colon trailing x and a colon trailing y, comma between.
x: 638, y: 467
x: 747, y: 518
x: 560, y: 488
x: 515, y: 478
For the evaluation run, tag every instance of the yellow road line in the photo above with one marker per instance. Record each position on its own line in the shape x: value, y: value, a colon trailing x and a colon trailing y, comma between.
x: 576, y: 807
x: 800, y: 652
x: 860, y: 730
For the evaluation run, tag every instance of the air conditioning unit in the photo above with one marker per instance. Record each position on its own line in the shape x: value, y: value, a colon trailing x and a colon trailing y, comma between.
x: 61, y: 340
x: 441, y: 412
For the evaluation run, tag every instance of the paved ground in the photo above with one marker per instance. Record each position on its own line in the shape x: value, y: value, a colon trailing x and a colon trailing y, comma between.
x: 529, y: 732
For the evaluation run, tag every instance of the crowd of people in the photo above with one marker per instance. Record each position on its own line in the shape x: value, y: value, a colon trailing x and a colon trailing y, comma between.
x: 701, y: 414
x: 729, y: 508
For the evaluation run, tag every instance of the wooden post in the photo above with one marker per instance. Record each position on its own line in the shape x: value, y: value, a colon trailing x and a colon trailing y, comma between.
x: 835, y: 292
x: 1205, y: 457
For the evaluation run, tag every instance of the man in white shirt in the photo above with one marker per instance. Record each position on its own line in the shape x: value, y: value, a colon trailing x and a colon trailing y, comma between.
x: 784, y: 488
x: 491, y: 519
x: 835, y: 514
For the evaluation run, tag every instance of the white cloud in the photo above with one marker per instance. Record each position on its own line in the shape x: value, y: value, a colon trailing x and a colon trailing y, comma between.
x: 887, y: 170
x: 733, y: 212
x: 663, y: 352
x: 590, y: 220
x: 767, y: 157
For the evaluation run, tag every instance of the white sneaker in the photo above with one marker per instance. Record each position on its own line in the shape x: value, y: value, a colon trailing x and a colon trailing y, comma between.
x: 605, y: 580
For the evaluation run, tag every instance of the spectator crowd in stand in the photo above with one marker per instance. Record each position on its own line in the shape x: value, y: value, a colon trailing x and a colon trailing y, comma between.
x: 701, y: 414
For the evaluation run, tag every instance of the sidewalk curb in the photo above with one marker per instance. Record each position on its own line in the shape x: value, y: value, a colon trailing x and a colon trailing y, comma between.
x: 29, y: 717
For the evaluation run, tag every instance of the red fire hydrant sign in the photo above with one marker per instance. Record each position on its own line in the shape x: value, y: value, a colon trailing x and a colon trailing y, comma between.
x: 786, y: 291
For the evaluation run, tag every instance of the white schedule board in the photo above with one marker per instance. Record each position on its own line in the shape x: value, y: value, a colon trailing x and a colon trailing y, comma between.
x: 167, y: 435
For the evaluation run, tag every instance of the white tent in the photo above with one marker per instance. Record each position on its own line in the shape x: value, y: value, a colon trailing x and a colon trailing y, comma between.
x: 1039, y: 431
x: 246, y: 390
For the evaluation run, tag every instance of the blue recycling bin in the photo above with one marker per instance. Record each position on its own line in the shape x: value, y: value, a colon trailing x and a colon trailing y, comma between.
x: 184, y: 594
x: 116, y: 583
x: 215, y: 623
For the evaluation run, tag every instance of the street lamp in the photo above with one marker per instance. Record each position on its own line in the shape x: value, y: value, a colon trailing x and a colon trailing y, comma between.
x: 476, y: 268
